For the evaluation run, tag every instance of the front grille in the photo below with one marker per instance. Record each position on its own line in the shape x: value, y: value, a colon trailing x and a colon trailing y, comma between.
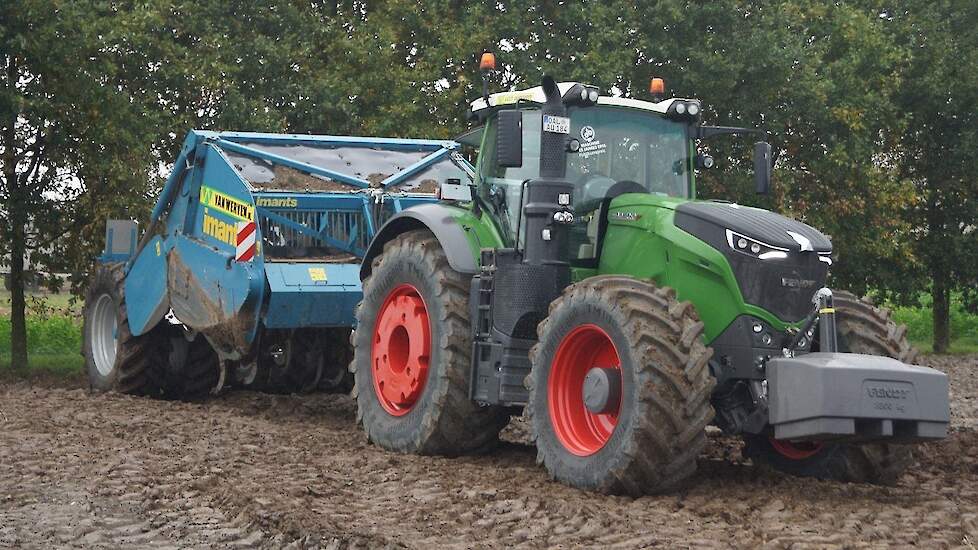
x: 783, y: 287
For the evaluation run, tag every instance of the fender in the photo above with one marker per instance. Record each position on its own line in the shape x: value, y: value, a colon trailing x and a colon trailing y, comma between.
x: 436, y: 218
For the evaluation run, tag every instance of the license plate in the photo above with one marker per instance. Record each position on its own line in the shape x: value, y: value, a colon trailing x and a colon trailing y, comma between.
x: 556, y: 124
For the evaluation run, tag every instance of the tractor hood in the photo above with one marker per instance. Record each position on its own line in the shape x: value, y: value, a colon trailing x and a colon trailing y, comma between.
x: 778, y: 262
x: 773, y: 230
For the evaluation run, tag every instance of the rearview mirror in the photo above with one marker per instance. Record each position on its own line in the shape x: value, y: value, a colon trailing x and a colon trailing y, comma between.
x: 762, y: 167
x: 509, y: 139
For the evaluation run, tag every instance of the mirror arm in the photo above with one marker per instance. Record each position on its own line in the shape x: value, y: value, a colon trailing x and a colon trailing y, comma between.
x: 762, y: 167
x: 706, y: 132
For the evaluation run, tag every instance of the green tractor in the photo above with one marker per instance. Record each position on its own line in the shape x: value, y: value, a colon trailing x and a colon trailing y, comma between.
x: 576, y: 279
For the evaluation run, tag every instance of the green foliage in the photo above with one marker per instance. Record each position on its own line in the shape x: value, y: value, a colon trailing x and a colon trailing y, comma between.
x: 937, y: 150
x: 45, y: 336
x: 920, y: 325
x: 53, y: 333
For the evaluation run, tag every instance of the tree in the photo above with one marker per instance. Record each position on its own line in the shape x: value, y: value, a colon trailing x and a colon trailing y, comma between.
x: 71, y: 138
x: 939, y: 149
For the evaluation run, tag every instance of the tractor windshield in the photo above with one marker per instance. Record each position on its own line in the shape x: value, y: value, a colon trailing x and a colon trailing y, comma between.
x: 625, y: 145
x: 644, y: 150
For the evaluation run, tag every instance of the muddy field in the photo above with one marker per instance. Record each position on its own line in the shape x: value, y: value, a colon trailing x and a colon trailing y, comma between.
x: 251, y: 470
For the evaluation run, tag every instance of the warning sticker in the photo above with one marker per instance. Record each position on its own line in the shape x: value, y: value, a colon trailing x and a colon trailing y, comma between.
x: 246, y: 240
x: 317, y: 274
x: 226, y: 204
x: 591, y: 146
x: 556, y: 124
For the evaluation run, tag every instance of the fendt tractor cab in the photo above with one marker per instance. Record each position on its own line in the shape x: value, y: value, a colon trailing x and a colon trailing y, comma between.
x: 578, y: 279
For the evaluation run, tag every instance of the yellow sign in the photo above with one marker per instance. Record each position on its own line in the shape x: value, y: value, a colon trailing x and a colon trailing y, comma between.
x: 226, y: 204
x: 317, y: 274
x: 220, y: 230
x: 506, y: 98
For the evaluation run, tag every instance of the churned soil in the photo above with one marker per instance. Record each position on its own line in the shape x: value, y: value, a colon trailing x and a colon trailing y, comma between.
x: 253, y: 470
x: 290, y: 179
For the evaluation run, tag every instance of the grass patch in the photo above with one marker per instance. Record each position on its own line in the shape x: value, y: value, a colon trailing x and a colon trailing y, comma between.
x: 56, y: 335
x: 53, y: 344
x: 920, y: 326
x: 67, y: 364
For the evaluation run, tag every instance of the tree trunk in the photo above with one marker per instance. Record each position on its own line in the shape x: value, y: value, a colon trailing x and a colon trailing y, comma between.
x: 942, y: 312
x: 18, y: 320
x: 16, y: 232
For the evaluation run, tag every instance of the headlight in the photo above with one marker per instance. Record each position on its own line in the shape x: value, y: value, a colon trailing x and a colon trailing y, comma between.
x: 582, y: 95
x: 684, y: 110
x: 755, y: 248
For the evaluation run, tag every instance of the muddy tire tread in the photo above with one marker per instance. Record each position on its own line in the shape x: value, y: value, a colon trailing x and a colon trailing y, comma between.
x: 199, y: 375
x: 870, y: 329
x: 659, y: 456
x: 140, y: 360
x: 454, y: 424
x: 863, y: 328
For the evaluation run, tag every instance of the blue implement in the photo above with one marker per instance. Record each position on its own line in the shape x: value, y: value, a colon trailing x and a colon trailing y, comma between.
x: 257, y: 231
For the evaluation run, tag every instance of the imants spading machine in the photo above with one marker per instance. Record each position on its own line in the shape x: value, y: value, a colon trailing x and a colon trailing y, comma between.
x: 248, y: 270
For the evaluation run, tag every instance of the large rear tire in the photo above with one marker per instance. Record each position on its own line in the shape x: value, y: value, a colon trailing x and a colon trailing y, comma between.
x: 412, y: 354
x: 647, y: 436
x: 115, y: 359
x: 862, y: 328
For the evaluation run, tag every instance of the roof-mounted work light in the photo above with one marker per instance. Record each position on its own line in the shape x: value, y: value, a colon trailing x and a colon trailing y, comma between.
x: 657, y: 87
x: 581, y: 94
x: 682, y: 109
x: 487, y: 64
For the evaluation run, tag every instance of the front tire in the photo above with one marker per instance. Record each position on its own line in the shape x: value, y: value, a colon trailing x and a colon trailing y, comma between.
x: 647, y: 437
x: 862, y: 328
x: 412, y: 354
x: 115, y: 359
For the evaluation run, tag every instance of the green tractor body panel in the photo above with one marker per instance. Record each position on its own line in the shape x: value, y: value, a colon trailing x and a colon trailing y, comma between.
x: 480, y: 230
x: 643, y: 241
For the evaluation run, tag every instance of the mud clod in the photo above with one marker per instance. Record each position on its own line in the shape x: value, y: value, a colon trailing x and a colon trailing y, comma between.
x: 271, y: 471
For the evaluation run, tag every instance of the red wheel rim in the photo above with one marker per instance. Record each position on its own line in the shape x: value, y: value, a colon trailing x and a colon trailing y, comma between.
x: 401, y: 349
x: 796, y: 450
x: 579, y: 430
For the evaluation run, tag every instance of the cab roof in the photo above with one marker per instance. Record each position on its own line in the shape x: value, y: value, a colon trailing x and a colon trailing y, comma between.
x: 536, y: 95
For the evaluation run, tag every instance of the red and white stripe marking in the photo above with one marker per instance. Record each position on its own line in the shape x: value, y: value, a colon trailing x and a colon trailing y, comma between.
x: 246, y: 249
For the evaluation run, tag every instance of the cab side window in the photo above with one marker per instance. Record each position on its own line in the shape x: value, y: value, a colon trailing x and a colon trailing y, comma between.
x: 500, y: 187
